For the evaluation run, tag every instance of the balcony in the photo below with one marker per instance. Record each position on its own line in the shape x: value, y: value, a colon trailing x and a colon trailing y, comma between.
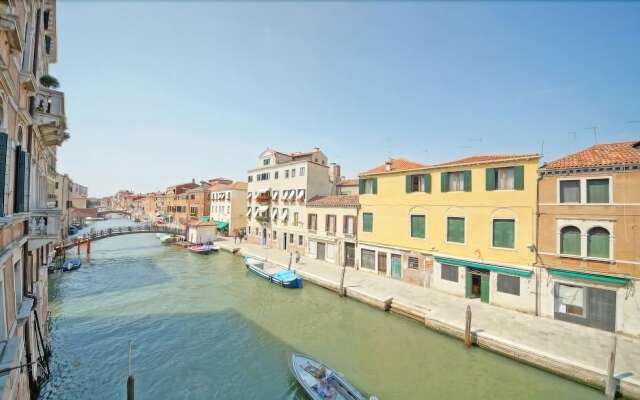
x: 9, y: 24
x: 48, y: 114
x: 263, y: 198
x: 45, y: 223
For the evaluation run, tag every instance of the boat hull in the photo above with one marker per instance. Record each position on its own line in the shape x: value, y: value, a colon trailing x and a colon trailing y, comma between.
x: 306, y: 369
x: 286, y: 279
x: 71, y: 265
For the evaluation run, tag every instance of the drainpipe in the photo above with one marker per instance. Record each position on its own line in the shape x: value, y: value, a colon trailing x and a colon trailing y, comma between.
x: 535, y: 244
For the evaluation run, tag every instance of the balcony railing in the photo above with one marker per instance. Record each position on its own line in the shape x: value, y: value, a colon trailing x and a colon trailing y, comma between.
x: 45, y: 223
x: 48, y: 113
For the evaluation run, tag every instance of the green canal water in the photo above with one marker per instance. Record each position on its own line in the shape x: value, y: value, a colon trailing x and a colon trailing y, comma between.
x: 202, y: 327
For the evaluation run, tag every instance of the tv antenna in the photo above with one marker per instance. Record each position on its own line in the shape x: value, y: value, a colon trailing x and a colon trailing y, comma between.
x: 595, y: 133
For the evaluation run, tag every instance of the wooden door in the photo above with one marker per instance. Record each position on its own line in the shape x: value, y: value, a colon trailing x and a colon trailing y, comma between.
x: 382, y: 263
x: 349, y: 254
x: 320, y: 251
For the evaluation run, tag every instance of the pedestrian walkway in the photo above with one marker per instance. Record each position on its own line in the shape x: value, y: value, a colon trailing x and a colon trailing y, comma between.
x: 570, y: 350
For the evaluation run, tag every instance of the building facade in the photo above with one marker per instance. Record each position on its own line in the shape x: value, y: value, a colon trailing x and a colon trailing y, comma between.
x: 229, y: 207
x: 464, y: 227
x: 277, y: 192
x: 332, y: 226
x: 588, y: 237
x: 32, y: 125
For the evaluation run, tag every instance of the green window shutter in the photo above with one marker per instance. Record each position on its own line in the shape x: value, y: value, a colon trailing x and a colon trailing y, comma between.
x: 4, y: 141
x: 418, y: 226
x: 455, y: 229
x: 598, y: 243
x: 444, y: 182
x: 597, y: 190
x: 468, y: 284
x: 426, y: 183
x: 18, y: 194
x: 27, y: 170
x: 407, y: 184
x: 518, y: 177
x: 367, y: 222
x: 374, y: 185
x: 503, y: 233
x: 570, y: 241
x: 362, y: 185
x: 467, y: 181
x: 491, y: 178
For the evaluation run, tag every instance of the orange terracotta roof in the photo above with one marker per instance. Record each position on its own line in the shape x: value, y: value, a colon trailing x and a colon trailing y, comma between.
x: 487, y: 158
x: 600, y: 155
x: 224, y: 186
x: 334, y: 201
x: 397, y: 164
x: 348, y: 182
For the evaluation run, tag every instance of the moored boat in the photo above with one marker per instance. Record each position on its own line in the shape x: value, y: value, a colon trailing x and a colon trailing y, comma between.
x: 275, y: 274
x: 321, y: 382
x: 71, y: 265
x: 168, y: 239
x: 203, y: 249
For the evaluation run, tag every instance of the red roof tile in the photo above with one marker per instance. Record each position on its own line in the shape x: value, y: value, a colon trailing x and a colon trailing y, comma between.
x: 486, y: 158
x: 397, y: 164
x: 600, y: 155
x: 348, y: 182
x: 334, y: 201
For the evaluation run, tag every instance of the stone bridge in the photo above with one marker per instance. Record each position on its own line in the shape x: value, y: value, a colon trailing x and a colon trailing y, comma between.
x: 98, y: 234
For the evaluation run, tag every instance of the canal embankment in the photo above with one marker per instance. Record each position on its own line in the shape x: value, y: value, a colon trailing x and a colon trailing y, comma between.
x: 568, y: 350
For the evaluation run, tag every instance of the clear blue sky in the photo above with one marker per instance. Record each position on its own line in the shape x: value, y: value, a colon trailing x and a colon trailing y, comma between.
x: 159, y: 93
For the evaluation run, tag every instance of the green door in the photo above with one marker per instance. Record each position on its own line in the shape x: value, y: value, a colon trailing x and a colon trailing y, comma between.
x: 396, y: 266
x: 467, y: 291
x: 484, y: 288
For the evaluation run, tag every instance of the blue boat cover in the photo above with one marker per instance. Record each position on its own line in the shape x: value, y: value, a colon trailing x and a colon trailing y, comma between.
x: 284, y: 275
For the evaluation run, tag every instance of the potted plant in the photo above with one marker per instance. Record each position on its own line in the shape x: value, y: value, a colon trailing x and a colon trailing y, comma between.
x: 49, y: 81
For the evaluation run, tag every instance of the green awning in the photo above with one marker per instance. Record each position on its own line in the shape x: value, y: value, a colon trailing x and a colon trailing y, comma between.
x: 222, y: 225
x: 204, y: 218
x: 613, y: 280
x: 489, y: 267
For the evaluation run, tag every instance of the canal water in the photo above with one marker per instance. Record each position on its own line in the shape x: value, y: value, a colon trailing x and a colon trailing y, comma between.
x: 202, y: 327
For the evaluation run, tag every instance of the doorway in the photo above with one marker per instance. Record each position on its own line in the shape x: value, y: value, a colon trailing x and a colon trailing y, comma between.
x: 284, y: 241
x: 477, y: 285
x: 382, y: 263
x: 396, y: 266
x: 349, y: 254
x: 321, y: 251
x: 264, y: 236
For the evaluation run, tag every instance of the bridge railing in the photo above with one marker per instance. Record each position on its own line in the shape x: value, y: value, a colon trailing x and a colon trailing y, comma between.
x: 95, y: 234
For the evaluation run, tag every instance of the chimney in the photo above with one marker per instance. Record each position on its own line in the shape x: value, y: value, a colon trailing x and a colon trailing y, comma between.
x: 193, y: 180
x: 387, y: 165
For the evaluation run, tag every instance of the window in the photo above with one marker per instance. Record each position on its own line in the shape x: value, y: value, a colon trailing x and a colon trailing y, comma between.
x: 274, y: 235
x: 504, y: 233
x: 296, y: 215
x: 598, y: 243
x: 455, y: 229
x: 418, y: 183
x: 367, y: 222
x: 300, y: 240
x: 418, y: 226
x: 368, y: 186
x: 286, y: 173
x: 330, y: 224
x: 275, y: 175
x: 293, y: 173
x: 348, y: 224
x: 455, y: 181
x: 266, y: 161
x: 597, y: 190
x: 507, y: 178
x: 368, y: 259
x: 570, y: 299
x: 570, y: 241
x: 570, y: 191
x: 509, y: 284
x: 412, y: 263
x: 312, y: 222
x: 17, y: 280
x: 449, y: 273
x: 301, y: 171
x: 291, y: 238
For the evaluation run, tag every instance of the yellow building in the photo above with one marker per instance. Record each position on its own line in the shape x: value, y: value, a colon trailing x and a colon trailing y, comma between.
x: 466, y: 227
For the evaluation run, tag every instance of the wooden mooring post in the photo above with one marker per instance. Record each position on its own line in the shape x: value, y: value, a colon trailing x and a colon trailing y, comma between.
x: 342, y: 290
x: 611, y: 384
x: 130, y: 381
x: 467, y: 328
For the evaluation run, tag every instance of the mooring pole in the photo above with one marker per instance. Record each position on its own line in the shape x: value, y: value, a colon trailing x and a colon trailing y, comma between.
x: 342, y: 291
x: 88, y: 246
x: 467, y: 328
x: 611, y: 384
x: 130, y: 378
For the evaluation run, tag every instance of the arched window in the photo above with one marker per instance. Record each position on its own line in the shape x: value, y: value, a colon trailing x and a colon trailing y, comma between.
x: 598, y: 243
x: 570, y: 240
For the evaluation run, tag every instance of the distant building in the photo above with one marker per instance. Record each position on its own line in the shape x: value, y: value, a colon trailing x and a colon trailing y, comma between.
x: 229, y: 207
